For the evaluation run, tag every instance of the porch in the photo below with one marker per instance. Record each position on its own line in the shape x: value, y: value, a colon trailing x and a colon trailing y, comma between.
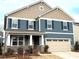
x: 24, y: 40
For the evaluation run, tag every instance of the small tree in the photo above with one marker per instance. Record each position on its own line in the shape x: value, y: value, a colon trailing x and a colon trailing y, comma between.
x: 76, y: 47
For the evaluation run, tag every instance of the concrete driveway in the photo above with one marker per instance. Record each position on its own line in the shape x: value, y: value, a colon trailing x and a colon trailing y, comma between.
x: 67, y: 55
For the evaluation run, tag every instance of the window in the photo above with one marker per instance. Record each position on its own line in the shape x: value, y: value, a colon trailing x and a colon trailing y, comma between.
x: 49, y: 40
x: 17, y: 40
x: 49, y: 24
x: 54, y: 40
x: 65, y: 40
x: 14, y: 24
x: 20, y: 40
x: 65, y: 26
x: 14, y: 41
x: 60, y: 40
x: 31, y: 25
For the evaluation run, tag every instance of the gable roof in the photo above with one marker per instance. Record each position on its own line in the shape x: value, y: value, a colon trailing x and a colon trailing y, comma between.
x: 28, y: 6
x: 56, y: 13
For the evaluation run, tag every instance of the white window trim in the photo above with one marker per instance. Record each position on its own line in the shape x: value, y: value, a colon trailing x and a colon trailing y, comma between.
x: 50, y: 24
x: 64, y: 20
x: 12, y: 41
x: 30, y: 28
x: 65, y: 29
x: 12, y: 24
x: 65, y: 25
x: 18, y: 41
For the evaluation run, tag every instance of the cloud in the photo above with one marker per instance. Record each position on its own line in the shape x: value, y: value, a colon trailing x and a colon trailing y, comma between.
x: 76, y: 18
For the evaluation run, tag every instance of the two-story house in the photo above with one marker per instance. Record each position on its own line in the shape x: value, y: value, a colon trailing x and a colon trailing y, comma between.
x: 38, y: 25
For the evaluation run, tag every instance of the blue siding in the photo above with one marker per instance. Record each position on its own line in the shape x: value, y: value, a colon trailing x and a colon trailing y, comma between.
x: 57, y: 27
x: 9, y: 23
x: 22, y: 24
x: 37, y: 25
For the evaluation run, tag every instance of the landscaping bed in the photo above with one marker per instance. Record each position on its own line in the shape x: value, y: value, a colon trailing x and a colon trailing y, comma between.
x: 33, y: 57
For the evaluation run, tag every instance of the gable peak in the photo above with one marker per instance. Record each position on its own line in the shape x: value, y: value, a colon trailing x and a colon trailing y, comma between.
x: 41, y: 0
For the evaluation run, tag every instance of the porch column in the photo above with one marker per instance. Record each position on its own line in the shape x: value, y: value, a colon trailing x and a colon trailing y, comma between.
x: 31, y: 40
x: 11, y: 41
x: 42, y: 40
x: 8, y: 40
x: 23, y: 40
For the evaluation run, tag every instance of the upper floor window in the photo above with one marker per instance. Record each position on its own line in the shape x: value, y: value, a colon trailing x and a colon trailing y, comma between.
x: 31, y: 25
x: 49, y: 24
x: 65, y: 26
x: 14, y: 24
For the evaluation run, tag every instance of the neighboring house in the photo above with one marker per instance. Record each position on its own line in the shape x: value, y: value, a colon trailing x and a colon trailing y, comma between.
x: 1, y: 37
x: 38, y: 25
x: 76, y: 31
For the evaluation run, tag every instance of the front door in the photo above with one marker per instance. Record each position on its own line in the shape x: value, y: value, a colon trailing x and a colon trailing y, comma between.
x: 35, y: 41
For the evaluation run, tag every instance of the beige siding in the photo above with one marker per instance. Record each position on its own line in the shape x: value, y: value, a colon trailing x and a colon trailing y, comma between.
x: 31, y: 12
x: 57, y: 14
x: 76, y: 32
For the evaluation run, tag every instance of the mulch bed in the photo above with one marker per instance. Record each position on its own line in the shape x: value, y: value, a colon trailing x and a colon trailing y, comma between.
x: 28, y: 56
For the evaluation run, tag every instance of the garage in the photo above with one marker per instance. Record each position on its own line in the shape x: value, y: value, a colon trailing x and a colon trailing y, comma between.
x: 58, y: 45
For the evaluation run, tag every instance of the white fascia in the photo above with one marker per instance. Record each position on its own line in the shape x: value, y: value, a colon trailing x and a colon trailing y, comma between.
x: 58, y: 33
x: 64, y: 20
x: 22, y: 18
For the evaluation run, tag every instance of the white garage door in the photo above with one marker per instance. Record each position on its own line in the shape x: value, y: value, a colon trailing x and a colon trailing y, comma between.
x: 58, y: 45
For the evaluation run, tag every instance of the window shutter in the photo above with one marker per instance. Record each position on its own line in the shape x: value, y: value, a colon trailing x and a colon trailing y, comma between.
x: 18, y: 23
x: 61, y: 25
x: 53, y: 24
x: 9, y: 22
x: 34, y: 24
x: 68, y: 25
x: 27, y: 24
x: 46, y: 24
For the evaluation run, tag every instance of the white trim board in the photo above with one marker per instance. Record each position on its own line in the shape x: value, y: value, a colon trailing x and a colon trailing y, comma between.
x: 64, y: 20
x: 58, y: 33
x: 58, y: 38
x: 22, y: 18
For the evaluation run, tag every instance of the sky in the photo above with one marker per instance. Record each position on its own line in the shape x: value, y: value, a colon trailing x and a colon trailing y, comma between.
x: 71, y: 7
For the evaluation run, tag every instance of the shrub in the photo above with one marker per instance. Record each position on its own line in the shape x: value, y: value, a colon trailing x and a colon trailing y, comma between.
x: 46, y: 48
x: 20, y: 51
x: 9, y: 51
x: 30, y: 50
x: 76, y: 47
x: 0, y: 49
x: 1, y: 45
x: 27, y: 52
x: 35, y: 51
